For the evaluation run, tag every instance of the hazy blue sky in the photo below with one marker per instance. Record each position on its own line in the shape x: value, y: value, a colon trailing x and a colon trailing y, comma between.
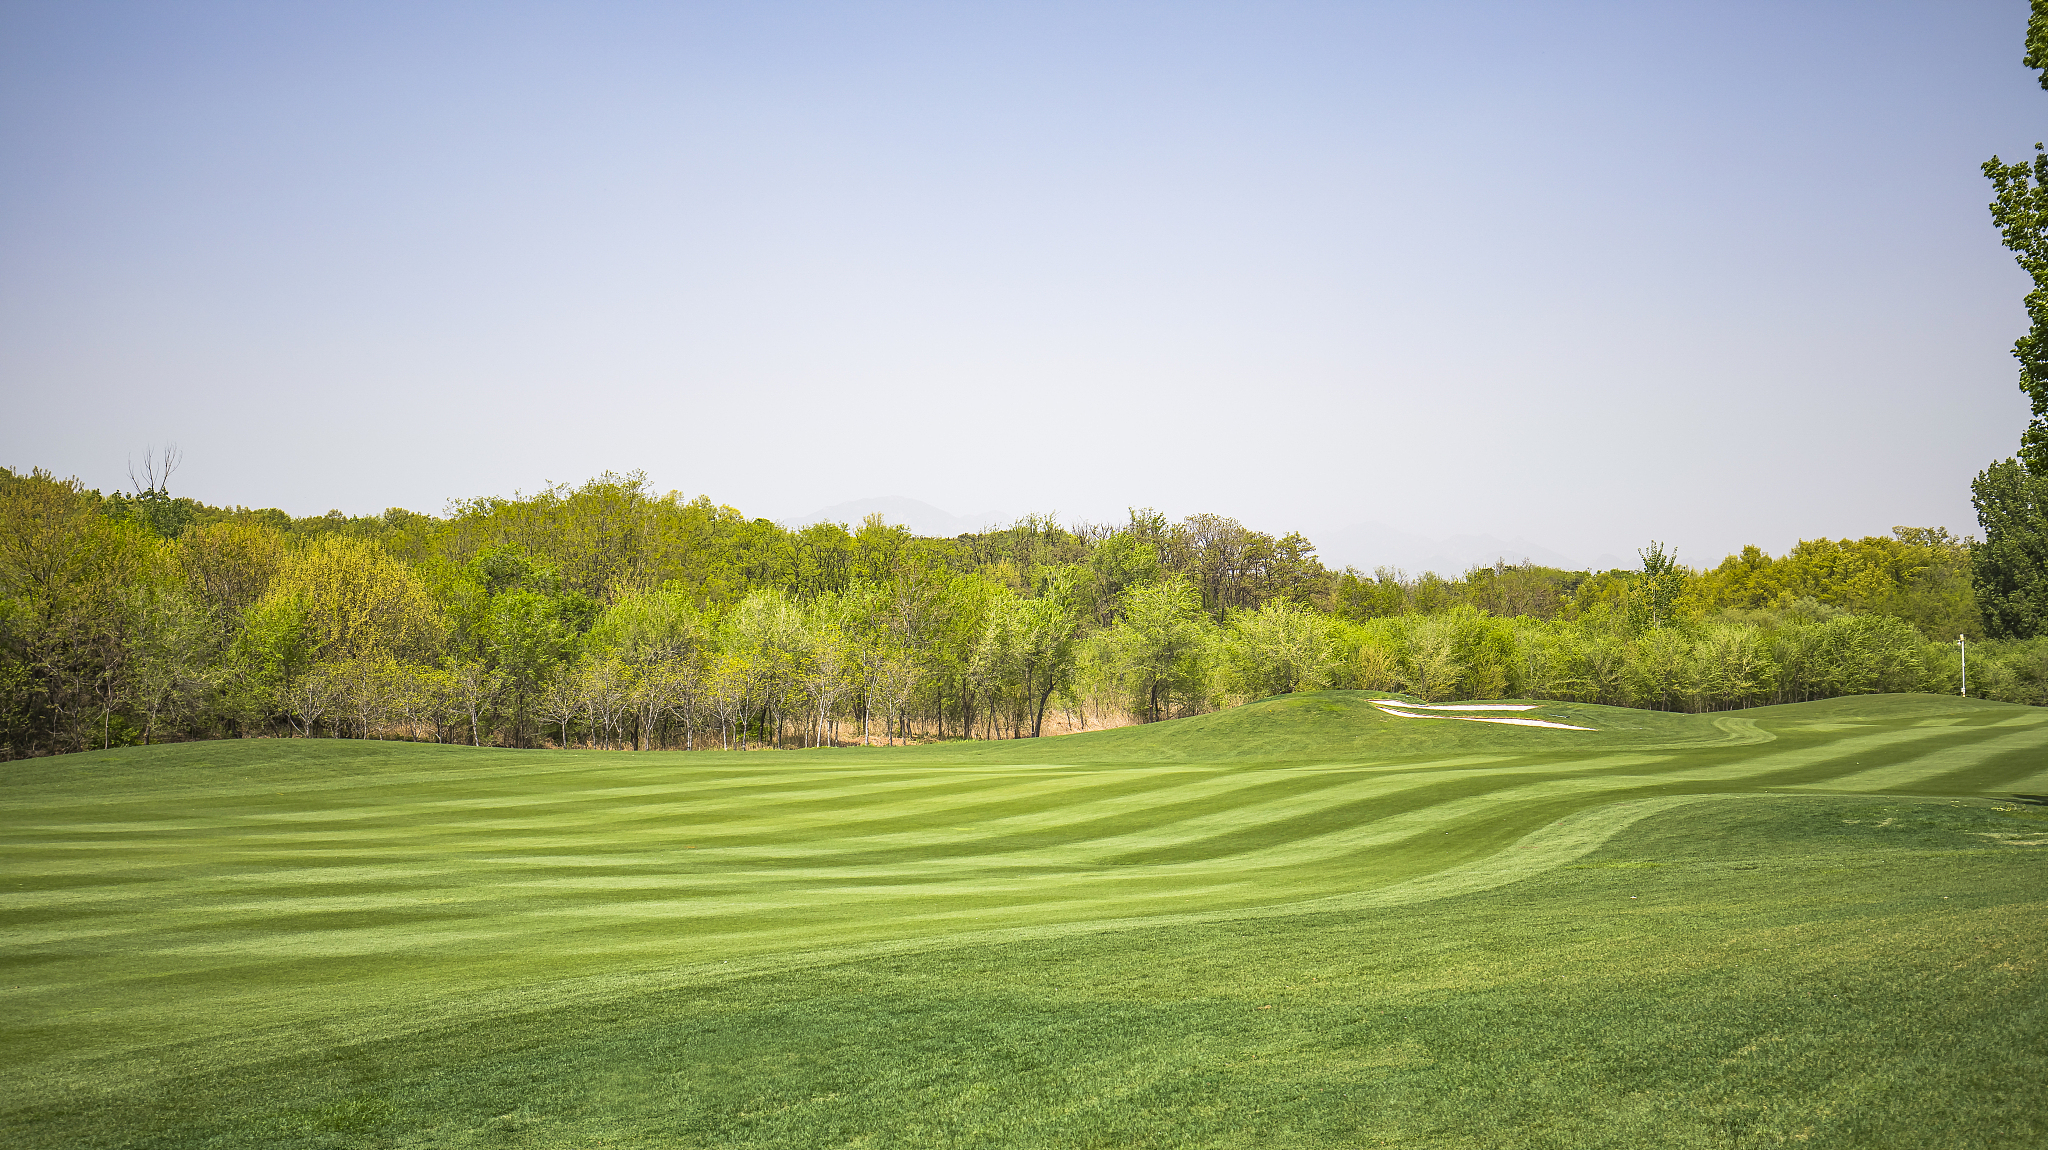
x: 1584, y: 274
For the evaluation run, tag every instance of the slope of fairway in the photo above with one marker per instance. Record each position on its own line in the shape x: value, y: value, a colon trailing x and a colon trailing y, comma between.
x: 228, y: 921
x: 1327, y: 726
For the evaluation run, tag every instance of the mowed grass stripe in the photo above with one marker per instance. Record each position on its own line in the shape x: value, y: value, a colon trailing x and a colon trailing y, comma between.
x: 1299, y: 847
x: 1992, y: 749
x: 1126, y: 791
x: 906, y: 803
x: 531, y: 786
x: 1390, y: 813
x: 560, y: 807
x: 1852, y: 758
x: 1217, y: 796
x: 408, y: 1007
x: 493, y: 890
x: 1284, y: 830
x: 1078, y: 835
x: 1804, y: 757
x: 235, y: 910
x: 769, y: 932
x: 794, y: 791
x: 151, y: 845
x: 2000, y: 773
x: 449, y: 1011
x: 1068, y: 834
x: 1022, y: 839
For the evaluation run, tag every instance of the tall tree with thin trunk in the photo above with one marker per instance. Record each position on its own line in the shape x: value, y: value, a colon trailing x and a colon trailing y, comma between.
x: 2010, y: 568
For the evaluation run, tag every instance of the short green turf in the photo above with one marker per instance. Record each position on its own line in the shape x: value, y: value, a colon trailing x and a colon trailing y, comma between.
x: 1298, y: 923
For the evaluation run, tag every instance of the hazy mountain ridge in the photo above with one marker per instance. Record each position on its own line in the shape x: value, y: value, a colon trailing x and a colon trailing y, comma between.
x: 920, y: 517
x: 1365, y: 545
x: 1369, y: 545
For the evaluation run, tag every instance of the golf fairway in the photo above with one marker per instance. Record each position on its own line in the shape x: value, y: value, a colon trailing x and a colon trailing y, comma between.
x: 320, y: 942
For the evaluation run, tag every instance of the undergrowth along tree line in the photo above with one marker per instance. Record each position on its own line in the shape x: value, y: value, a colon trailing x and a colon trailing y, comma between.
x: 608, y: 615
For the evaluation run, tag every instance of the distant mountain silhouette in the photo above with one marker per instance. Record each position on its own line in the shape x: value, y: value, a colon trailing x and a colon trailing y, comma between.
x: 920, y: 517
x: 1367, y: 546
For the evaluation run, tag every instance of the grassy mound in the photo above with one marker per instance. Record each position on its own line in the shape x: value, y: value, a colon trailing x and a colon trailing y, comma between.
x: 1301, y: 922
x: 1326, y: 726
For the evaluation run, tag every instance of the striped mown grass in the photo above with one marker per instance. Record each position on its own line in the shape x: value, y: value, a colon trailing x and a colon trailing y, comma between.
x: 346, y: 943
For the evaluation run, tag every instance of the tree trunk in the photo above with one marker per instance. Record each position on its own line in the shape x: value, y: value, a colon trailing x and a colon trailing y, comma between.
x: 1038, y: 720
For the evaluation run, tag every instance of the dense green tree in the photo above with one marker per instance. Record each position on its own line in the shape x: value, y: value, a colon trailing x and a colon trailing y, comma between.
x: 2011, y: 564
x: 1029, y: 647
x: 172, y: 652
x: 1429, y: 664
x: 661, y: 637
x: 1358, y: 597
x: 2037, y: 40
x: 273, y: 654
x: 228, y: 564
x: 357, y: 599
x: 2009, y: 497
x: 1918, y: 574
x: 1655, y: 601
x: 2020, y: 210
x: 531, y: 636
x: 1277, y: 649
x: 1155, y: 654
x: 1118, y: 563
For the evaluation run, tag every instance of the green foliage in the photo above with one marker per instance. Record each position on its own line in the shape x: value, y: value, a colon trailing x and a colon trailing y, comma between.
x: 1358, y: 598
x: 605, y: 614
x: 1456, y: 654
x: 2012, y: 497
x: 1231, y: 566
x: 1154, y: 655
x: 2010, y: 567
x: 1920, y: 575
x: 1029, y: 648
x: 271, y: 654
x: 1280, y: 648
x: 2020, y: 211
x: 1116, y: 565
x: 1654, y: 602
x: 2037, y: 40
x: 1430, y: 667
x: 2018, y: 674
x: 1509, y: 590
x: 154, y: 510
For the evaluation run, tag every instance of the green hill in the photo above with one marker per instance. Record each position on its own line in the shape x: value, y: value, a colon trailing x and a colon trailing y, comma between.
x: 1308, y: 921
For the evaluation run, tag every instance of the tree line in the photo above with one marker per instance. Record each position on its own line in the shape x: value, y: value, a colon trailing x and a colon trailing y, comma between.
x: 607, y: 615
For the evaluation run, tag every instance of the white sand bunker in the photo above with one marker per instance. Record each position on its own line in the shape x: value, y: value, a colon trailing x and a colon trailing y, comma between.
x: 1455, y: 706
x: 1388, y: 707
